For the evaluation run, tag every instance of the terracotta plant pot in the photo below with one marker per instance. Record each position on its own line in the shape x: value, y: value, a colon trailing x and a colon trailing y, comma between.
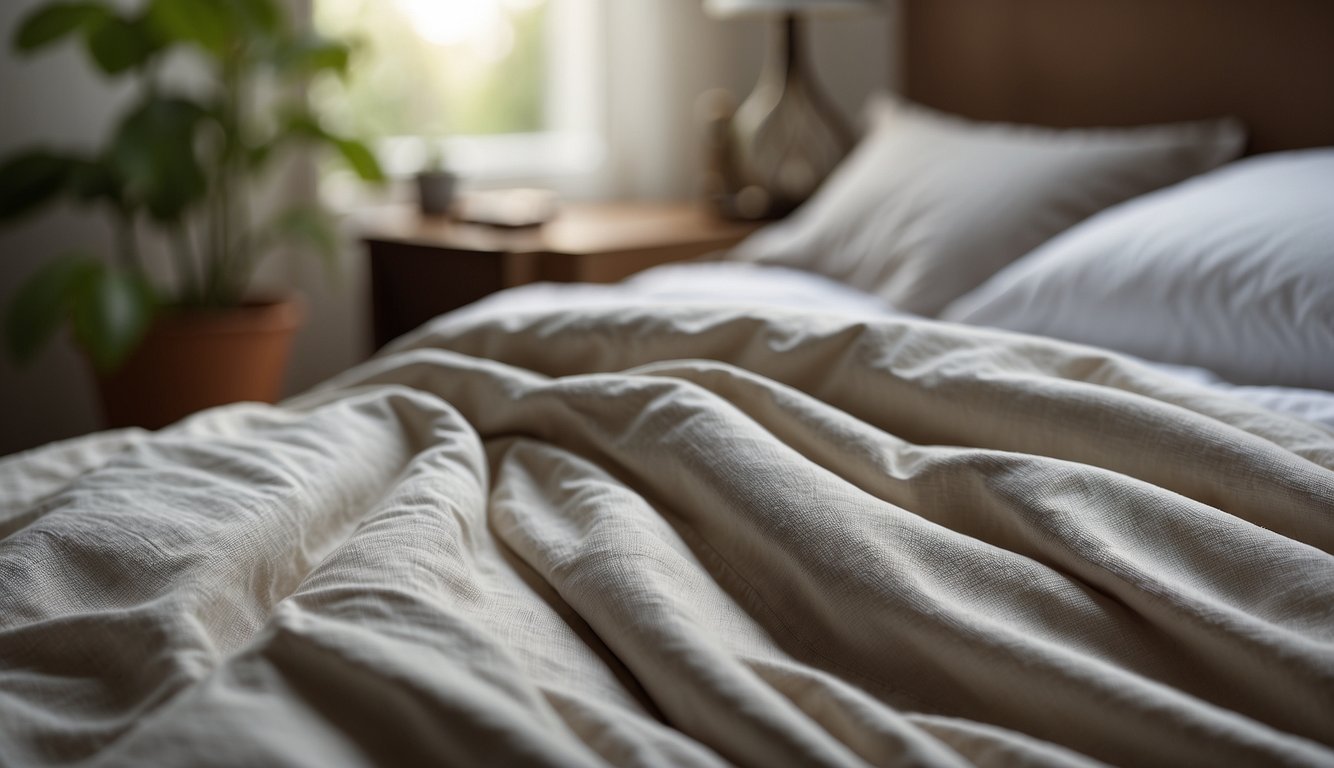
x: 195, y: 359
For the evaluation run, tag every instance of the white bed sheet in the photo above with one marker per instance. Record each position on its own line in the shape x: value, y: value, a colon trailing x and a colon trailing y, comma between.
x: 733, y: 284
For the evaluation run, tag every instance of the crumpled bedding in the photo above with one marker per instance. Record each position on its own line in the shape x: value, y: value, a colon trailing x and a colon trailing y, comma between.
x: 743, y: 284
x: 681, y: 537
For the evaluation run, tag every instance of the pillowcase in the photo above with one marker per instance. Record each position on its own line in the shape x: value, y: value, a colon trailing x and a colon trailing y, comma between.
x: 1232, y: 271
x: 929, y: 206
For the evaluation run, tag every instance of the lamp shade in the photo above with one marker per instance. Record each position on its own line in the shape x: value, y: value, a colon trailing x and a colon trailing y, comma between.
x: 753, y: 7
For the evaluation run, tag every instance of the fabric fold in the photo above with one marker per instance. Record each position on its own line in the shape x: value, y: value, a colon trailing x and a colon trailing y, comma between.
x: 681, y: 537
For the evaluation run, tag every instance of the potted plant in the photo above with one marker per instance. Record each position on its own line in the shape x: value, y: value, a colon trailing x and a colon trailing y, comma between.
x: 181, y: 165
x: 435, y: 183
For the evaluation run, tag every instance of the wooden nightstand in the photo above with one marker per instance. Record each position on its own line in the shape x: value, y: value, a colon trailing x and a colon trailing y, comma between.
x: 422, y: 267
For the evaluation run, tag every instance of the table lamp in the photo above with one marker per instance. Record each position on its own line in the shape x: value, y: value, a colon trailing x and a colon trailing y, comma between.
x: 786, y: 137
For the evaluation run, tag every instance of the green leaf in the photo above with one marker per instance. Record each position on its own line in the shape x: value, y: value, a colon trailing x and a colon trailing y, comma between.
x: 30, y: 180
x: 117, y: 44
x: 94, y: 180
x: 360, y: 158
x: 302, y: 123
x: 214, y: 25
x: 153, y: 152
x: 53, y: 22
x: 356, y: 154
x: 310, y: 55
x: 258, y: 155
x: 111, y: 310
x: 263, y: 16
x: 42, y: 305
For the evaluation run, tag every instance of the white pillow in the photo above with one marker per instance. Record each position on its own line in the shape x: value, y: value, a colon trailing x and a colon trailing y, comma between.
x: 1232, y: 271
x: 929, y: 206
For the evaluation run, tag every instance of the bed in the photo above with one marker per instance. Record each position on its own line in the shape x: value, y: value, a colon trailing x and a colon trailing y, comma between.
x: 781, y: 521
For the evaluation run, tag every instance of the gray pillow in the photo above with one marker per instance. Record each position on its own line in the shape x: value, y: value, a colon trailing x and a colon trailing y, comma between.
x: 1232, y: 271
x: 929, y: 206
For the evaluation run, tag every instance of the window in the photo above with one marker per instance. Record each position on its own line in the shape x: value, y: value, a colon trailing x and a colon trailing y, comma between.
x: 501, y: 86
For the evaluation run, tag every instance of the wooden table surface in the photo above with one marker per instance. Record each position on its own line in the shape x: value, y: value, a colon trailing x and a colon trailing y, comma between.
x: 578, y: 229
x: 422, y: 266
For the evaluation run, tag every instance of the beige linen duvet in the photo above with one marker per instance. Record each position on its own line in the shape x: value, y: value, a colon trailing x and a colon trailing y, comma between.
x: 697, y: 537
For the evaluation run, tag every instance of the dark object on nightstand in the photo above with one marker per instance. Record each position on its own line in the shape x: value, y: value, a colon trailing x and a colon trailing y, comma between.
x: 423, y: 267
x: 435, y: 192
x: 787, y: 136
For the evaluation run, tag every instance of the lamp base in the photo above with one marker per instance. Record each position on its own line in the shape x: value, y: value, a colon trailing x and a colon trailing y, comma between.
x: 784, y: 140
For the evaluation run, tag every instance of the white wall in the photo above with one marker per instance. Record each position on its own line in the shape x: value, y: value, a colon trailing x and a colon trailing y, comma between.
x: 661, y: 55
x: 667, y: 52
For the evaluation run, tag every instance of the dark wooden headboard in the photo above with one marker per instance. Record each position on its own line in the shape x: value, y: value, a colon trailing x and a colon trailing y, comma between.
x: 1128, y: 62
